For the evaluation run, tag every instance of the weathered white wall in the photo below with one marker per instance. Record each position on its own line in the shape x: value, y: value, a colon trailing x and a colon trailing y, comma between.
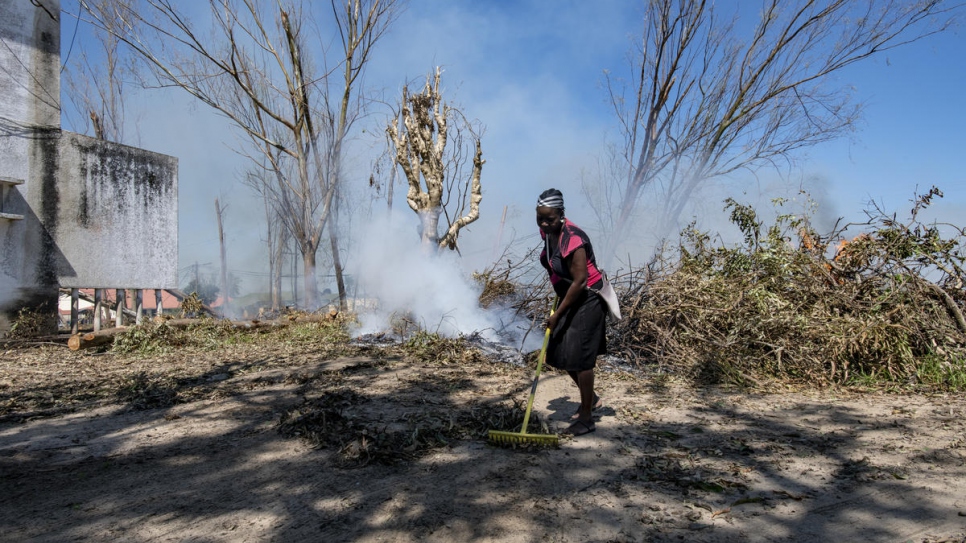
x: 29, y: 126
x: 30, y: 63
x: 96, y: 214
x: 117, y: 220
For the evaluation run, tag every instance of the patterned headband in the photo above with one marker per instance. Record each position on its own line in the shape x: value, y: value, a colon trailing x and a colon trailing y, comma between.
x: 554, y: 201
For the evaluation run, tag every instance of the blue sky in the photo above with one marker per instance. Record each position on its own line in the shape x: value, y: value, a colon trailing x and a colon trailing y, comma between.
x: 531, y: 72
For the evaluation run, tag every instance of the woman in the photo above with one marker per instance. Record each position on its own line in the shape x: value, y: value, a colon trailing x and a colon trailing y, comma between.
x: 577, y: 326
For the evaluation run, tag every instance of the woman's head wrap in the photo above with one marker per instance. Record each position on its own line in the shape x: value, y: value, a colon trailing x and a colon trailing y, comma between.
x: 551, y: 198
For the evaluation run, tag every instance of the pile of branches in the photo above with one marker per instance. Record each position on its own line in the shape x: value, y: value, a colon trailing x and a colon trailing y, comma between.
x: 787, y: 303
x: 790, y: 304
x: 520, y: 285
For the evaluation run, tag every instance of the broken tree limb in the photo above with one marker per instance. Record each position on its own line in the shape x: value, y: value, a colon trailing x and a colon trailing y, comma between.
x: 950, y: 304
x: 90, y: 340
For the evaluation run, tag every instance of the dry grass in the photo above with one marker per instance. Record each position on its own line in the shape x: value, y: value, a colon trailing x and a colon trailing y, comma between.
x: 411, y: 398
x: 154, y: 366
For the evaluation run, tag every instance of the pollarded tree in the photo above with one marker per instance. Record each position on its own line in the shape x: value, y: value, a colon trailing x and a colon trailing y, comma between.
x: 433, y: 158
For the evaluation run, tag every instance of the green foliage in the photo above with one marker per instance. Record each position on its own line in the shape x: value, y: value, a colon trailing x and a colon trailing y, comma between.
x: 29, y: 324
x: 330, y: 332
x: 941, y: 371
x: 145, y: 339
x: 157, y: 338
x: 328, y: 336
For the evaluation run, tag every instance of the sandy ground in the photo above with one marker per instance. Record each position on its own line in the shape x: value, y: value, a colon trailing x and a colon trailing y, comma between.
x: 667, y: 463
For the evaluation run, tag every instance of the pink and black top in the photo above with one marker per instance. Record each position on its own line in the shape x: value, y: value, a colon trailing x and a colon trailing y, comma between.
x: 571, y: 239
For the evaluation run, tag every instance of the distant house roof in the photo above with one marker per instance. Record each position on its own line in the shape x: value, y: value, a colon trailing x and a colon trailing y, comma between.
x: 219, y: 301
x: 168, y: 300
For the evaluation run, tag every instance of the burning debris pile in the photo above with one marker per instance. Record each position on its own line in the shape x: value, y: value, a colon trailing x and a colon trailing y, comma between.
x: 517, y: 287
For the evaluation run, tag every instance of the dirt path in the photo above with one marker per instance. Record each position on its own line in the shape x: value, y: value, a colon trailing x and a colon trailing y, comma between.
x: 667, y: 463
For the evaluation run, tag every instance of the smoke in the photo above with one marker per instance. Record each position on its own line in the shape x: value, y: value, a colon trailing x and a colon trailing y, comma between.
x: 392, y: 268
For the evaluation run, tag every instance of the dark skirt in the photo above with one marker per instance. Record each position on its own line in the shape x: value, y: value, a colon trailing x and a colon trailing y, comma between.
x: 579, y: 336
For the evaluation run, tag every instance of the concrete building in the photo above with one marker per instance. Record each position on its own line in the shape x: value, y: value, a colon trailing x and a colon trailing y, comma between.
x: 74, y: 211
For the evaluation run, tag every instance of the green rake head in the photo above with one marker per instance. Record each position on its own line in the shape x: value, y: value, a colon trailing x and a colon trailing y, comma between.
x: 518, y: 438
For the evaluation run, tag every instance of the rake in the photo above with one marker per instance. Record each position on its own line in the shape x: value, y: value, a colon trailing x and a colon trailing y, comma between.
x: 522, y: 437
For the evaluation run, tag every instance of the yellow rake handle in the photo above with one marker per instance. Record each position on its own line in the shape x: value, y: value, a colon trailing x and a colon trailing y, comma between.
x: 543, y: 356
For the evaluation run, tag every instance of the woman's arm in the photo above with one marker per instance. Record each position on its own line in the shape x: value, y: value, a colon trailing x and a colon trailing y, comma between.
x: 577, y: 262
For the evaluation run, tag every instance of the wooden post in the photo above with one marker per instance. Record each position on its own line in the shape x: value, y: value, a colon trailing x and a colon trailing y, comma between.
x: 119, y: 307
x: 98, y: 307
x: 74, y: 303
x: 158, y: 309
x: 138, y: 305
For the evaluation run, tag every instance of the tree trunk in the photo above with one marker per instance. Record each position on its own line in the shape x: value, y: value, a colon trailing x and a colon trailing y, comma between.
x: 311, y: 285
x: 337, y: 265
x: 276, y: 286
x: 430, y: 234
x: 336, y: 257
x: 275, y: 239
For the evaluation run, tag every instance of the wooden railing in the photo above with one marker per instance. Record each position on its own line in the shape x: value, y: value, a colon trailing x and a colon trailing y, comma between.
x: 118, y: 305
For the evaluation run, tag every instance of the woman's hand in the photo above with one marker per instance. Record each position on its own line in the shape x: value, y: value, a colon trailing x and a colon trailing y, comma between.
x: 553, y: 320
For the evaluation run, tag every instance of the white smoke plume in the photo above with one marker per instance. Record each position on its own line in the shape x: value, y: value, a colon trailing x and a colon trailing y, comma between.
x: 390, y: 266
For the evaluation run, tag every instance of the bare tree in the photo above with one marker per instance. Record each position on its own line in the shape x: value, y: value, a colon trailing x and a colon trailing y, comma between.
x: 255, y: 68
x: 97, y: 80
x: 704, y: 102
x: 276, y: 236
x: 437, y: 184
